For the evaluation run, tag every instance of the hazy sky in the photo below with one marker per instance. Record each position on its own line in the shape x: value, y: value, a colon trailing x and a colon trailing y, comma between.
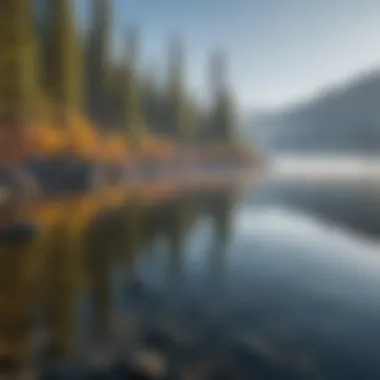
x: 280, y: 51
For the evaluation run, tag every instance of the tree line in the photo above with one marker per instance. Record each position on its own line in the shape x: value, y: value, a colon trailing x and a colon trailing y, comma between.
x: 79, y: 99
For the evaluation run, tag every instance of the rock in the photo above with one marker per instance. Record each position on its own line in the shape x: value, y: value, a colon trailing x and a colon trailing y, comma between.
x: 17, y: 233
x: 149, y: 364
x: 63, y: 175
x: 20, y: 181
x: 16, y: 186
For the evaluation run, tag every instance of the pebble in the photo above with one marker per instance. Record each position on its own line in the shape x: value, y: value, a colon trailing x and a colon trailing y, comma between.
x: 150, y: 363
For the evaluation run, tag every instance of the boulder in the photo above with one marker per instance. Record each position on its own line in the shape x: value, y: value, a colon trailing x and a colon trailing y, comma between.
x: 16, y: 186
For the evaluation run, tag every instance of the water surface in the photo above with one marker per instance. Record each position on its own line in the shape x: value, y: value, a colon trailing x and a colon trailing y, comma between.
x: 280, y: 280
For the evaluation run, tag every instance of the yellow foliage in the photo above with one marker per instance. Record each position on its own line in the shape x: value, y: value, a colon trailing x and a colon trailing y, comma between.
x: 47, y: 213
x: 81, y: 139
x: 114, y: 196
x: 113, y: 149
x: 84, y: 140
x: 48, y: 141
x: 82, y: 211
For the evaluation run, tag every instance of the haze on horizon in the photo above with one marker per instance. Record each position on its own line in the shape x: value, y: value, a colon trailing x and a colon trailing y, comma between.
x: 280, y: 52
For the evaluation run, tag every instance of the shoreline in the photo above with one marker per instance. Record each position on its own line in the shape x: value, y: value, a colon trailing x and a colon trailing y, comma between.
x: 54, y: 180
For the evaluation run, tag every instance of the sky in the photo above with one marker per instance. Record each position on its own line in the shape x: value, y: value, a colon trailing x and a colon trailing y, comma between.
x: 279, y: 52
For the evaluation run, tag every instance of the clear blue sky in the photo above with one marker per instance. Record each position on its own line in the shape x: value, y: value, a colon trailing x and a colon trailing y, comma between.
x: 280, y: 51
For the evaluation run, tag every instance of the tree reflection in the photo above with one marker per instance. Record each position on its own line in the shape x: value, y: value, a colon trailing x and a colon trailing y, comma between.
x: 133, y: 231
x: 99, y: 246
x: 78, y: 249
x: 179, y: 218
x: 21, y: 279
x: 64, y: 277
x: 221, y: 210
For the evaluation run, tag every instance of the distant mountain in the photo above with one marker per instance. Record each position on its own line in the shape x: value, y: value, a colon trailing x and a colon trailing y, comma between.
x: 344, y: 119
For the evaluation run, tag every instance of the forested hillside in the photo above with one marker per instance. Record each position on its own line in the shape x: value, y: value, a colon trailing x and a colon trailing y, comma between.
x: 344, y: 119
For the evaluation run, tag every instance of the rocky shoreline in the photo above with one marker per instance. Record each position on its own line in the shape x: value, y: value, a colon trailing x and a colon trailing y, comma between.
x: 63, y: 177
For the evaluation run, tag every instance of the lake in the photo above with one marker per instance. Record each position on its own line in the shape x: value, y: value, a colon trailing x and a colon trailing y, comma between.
x: 280, y: 280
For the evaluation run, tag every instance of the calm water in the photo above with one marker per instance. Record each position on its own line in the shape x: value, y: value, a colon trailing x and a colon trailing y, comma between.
x: 280, y: 281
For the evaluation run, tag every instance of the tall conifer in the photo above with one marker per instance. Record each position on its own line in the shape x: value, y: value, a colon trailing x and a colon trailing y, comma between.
x: 98, y: 68
x: 63, y: 69
x: 132, y: 120
x: 18, y: 85
x: 176, y: 102
x: 222, y: 123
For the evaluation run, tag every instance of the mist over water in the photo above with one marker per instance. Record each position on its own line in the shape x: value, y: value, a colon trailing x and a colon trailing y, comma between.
x: 326, y: 167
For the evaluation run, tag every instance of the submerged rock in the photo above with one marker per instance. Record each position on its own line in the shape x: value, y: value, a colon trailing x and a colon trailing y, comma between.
x: 16, y: 186
x: 17, y: 233
x: 62, y: 175
x: 149, y: 364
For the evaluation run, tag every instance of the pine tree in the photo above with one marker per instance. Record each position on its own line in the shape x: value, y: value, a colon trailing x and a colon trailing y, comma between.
x: 179, y: 216
x: 114, y: 97
x: 64, y: 276
x: 222, y: 124
x: 191, y: 121
x: 98, y: 63
x: 151, y: 102
x: 132, y: 119
x: 18, y: 56
x: 176, y: 106
x: 63, y: 69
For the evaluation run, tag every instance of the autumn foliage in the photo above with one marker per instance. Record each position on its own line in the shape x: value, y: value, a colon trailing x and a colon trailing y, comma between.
x: 72, y: 99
